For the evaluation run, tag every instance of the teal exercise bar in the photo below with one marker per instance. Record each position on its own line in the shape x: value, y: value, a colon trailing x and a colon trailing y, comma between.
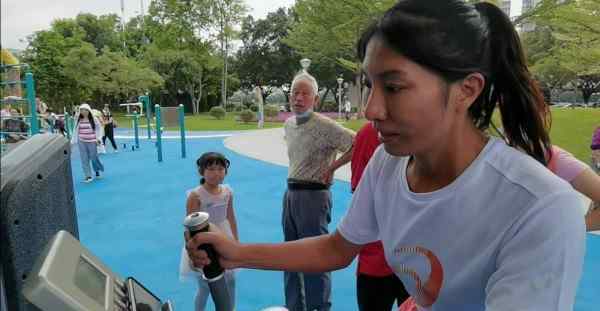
x: 135, y: 130
x: 158, y: 132
x: 182, y: 129
x: 34, y: 125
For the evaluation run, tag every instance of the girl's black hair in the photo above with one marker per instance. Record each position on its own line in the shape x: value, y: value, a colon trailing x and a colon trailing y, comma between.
x: 211, y: 158
x: 455, y: 39
x: 90, y: 119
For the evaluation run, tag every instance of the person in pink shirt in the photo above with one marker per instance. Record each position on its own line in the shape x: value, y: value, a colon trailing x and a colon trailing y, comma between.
x: 595, y: 146
x: 87, y: 136
x: 582, y: 178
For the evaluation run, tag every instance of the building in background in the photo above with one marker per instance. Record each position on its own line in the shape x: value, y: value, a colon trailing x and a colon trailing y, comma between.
x: 505, y: 7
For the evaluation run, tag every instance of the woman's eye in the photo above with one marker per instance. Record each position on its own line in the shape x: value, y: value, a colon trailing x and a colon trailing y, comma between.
x: 392, y: 88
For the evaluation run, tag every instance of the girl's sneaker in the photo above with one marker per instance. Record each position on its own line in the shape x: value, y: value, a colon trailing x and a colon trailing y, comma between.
x: 87, y: 180
x: 98, y: 175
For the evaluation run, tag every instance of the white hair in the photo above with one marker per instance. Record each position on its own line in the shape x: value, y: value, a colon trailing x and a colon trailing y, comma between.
x: 305, y: 76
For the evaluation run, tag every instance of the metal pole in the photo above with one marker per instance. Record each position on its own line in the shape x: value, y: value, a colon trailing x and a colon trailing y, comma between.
x: 135, y: 130
x: 146, y: 101
x: 182, y: 129
x: 158, y: 132
x: 339, y: 102
x: 34, y: 125
x: 67, y: 120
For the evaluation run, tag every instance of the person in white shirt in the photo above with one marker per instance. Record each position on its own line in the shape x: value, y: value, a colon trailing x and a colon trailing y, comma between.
x: 467, y: 222
x: 347, y: 110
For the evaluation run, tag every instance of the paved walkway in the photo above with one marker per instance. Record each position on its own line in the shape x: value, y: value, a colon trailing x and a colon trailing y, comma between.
x: 268, y: 145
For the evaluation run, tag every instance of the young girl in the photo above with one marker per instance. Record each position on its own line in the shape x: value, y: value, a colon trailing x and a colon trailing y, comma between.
x: 217, y: 200
x: 87, y: 136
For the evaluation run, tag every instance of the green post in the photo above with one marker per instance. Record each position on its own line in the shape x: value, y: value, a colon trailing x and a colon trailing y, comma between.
x: 135, y: 130
x: 144, y: 99
x: 67, y: 118
x: 158, y: 132
x: 182, y: 129
x: 33, y: 120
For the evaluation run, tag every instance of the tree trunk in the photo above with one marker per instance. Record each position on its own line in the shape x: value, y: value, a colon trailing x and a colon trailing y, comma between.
x: 327, y: 90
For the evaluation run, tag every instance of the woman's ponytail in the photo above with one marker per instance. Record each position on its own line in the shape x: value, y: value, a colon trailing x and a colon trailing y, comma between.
x: 525, y: 115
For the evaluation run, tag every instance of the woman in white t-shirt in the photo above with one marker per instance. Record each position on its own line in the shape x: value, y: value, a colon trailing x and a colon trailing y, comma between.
x: 466, y: 221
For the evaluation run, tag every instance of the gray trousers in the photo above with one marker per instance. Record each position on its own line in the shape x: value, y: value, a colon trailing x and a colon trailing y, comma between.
x: 306, y: 213
x: 204, y: 289
x: 88, y: 152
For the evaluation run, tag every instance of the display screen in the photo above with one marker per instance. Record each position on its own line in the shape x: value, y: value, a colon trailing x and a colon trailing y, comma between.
x: 144, y: 300
x: 91, y: 281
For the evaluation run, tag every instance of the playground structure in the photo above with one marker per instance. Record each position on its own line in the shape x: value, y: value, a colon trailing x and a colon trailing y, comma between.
x: 11, y: 86
x: 173, y: 116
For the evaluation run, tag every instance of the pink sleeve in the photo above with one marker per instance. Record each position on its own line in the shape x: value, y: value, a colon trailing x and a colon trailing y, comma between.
x: 566, y: 165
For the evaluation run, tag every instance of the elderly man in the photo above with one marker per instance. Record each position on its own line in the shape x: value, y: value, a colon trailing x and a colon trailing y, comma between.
x: 313, y: 142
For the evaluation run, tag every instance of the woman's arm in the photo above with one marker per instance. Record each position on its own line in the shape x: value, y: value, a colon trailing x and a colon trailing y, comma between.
x: 313, y: 255
x: 588, y: 184
x: 231, y: 218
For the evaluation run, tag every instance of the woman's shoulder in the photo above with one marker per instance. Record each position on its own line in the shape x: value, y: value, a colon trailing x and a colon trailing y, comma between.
x: 516, y: 170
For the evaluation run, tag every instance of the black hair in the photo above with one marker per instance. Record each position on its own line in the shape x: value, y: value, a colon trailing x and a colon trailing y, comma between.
x: 90, y: 119
x: 211, y: 158
x: 454, y: 39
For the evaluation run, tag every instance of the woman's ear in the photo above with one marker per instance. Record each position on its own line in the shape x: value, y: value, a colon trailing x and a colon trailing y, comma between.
x: 469, y: 90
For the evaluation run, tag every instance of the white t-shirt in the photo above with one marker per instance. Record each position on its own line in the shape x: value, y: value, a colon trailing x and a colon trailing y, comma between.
x: 503, y: 236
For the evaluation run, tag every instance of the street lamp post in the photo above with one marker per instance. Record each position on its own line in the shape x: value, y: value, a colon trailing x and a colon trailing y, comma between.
x: 340, y: 80
x: 305, y: 62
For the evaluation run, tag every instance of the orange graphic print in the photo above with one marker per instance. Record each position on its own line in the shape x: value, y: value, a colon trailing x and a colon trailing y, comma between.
x: 428, y: 292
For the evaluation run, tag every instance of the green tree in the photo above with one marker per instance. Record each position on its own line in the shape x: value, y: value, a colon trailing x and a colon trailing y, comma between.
x: 101, y: 31
x: 177, y: 51
x: 226, y: 14
x: 566, y: 43
x: 264, y: 59
x: 326, y: 32
x: 45, y: 52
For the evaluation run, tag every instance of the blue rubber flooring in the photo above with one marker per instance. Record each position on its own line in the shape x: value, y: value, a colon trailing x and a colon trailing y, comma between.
x: 131, y: 219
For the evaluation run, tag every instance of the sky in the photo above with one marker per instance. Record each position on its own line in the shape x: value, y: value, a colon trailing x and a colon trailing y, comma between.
x: 21, y: 18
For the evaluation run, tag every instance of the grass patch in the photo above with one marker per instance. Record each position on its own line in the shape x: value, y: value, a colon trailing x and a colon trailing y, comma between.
x: 203, y: 122
x: 571, y: 128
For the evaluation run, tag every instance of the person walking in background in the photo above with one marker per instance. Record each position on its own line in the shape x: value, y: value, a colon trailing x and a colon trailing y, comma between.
x: 109, y: 125
x: 582, y: 178
x: 347, y: 110
x: 87, y: 136
x: 377, y: 287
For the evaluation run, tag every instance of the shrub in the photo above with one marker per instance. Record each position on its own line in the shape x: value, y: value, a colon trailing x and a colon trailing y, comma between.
x: 271, y: 111
x: 254, y: 107
x: 247, y: 116
x: 230, y: 106
x: 217, y: 112
x: 329, y: 106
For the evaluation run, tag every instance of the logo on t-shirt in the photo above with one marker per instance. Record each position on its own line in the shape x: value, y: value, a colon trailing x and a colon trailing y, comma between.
x: 426, y: 292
